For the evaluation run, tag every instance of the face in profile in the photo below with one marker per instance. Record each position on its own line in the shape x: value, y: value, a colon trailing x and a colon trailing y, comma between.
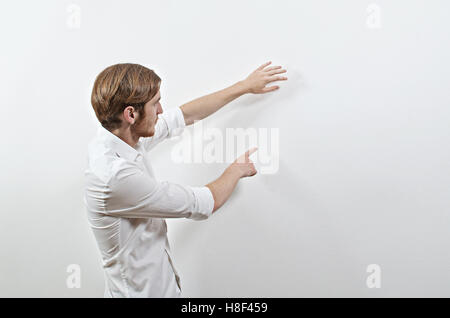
x: 145, y: 126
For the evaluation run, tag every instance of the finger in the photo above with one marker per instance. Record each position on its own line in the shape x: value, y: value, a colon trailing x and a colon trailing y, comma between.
x: 270, y: 89
x: 276, y: 72
x: 273, y: 68
x: 244, y: 158
x: 264, y: 65
x: 277, y: 78
x: 251, y: 151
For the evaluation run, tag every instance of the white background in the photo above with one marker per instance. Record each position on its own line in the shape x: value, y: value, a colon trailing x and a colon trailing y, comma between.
x: 364, y: 142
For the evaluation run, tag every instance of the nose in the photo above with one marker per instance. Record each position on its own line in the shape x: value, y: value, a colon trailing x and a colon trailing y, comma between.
x: 160, y: 110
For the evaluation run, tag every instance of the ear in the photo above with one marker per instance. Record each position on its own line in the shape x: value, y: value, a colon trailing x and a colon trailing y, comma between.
x: 129, y: 114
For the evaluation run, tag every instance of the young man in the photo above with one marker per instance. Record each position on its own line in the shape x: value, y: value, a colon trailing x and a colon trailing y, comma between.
x: 126, y: 205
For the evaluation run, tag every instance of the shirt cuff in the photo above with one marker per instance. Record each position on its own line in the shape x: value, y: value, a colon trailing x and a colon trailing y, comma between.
x: 204, y: 203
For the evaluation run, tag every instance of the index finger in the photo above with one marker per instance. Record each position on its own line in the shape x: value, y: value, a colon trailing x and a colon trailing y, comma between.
x: 264, y: 65
x: 250, y: 151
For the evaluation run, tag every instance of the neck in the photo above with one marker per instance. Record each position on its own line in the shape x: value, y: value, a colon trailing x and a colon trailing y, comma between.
x: 127, y: 135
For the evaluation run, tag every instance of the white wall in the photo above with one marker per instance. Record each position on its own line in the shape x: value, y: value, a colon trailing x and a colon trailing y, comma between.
x: 363, y: 151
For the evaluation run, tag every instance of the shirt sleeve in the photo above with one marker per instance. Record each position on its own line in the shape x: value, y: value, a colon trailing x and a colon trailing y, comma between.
x: 170, y: 124
x: 133, y: 194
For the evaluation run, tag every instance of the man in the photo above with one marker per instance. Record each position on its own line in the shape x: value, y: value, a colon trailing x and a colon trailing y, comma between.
x: 126, y: 205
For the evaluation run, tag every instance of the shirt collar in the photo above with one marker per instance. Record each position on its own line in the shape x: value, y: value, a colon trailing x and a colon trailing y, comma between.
x: 118, y: 146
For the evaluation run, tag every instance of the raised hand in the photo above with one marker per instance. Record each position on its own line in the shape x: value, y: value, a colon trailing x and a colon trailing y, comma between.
x: 256, y: 82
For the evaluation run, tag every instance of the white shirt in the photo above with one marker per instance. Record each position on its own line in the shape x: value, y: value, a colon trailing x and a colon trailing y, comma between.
x: 126, y: 207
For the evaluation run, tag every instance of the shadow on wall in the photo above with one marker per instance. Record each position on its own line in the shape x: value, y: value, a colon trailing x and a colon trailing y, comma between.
x: 252, y: 106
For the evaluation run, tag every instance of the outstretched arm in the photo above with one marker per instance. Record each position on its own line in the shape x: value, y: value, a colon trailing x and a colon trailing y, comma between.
x: 255, y: 83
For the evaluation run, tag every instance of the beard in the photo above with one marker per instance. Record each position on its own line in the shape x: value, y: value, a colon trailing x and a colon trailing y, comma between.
x: 143, y: 128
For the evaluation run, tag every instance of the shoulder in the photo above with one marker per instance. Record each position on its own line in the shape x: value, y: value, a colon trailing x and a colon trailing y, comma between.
x: 106, y: 166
